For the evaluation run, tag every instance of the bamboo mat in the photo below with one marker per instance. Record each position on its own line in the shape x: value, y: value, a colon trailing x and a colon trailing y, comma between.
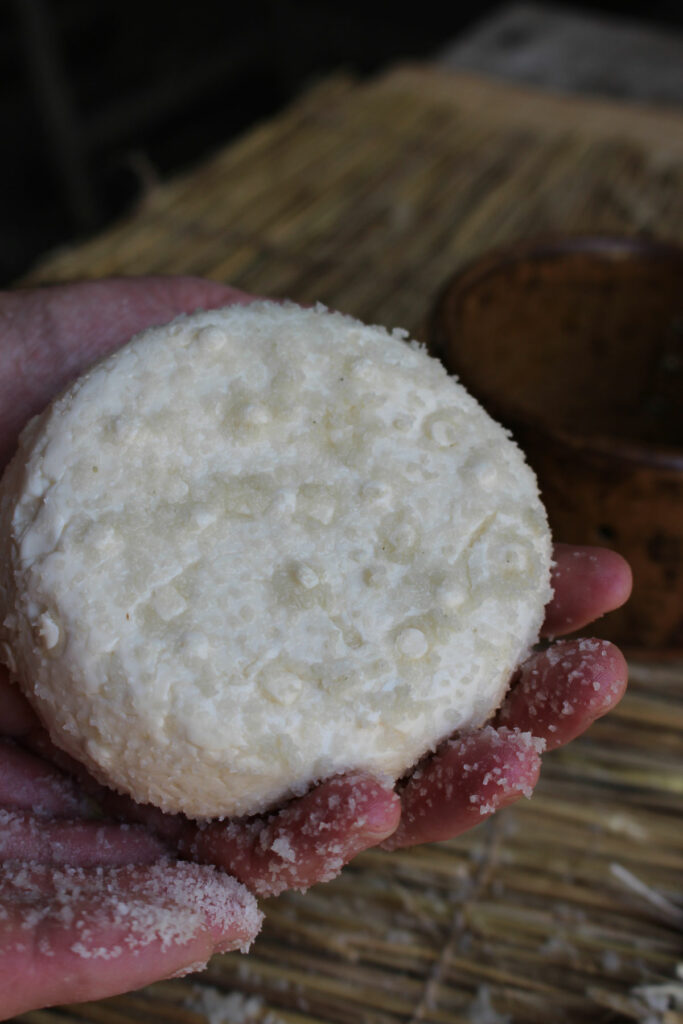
x: 567, y: 907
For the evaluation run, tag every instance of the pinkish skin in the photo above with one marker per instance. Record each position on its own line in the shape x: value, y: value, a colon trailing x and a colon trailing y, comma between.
x: 588, y: 581
x: 308, y: 841
x: 71, y: 934
x: 50, y: 802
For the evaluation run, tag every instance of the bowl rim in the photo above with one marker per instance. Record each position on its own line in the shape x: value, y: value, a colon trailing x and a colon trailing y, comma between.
x: 607, y: 247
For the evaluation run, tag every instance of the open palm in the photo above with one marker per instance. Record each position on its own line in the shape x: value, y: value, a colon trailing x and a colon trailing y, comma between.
x: 100, y: 895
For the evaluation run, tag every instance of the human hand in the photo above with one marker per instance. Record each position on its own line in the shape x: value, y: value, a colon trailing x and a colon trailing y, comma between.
x: 48, y: 337
x: 49, y: 819
x: 94, y: 899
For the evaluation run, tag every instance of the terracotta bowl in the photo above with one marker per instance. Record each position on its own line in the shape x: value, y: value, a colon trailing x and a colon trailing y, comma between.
x: 576, y: 344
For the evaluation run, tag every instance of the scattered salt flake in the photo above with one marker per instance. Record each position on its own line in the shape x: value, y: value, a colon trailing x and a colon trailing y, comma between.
x: 198, y: 965
x: 586, y: 644
x: 225, y: 1007
x: 283, y: 848
x: 104, y: 912
x: 91, y: 952
x: 555, y: 653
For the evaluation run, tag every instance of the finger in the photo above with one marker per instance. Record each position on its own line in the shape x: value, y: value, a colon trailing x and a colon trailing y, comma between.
x: 16, y: 715
x: 321, y: 831
x: 69, y: 935
x: 28, y: 782
x: 50, y: 335
x: 466, y: 781
x: 588, y: 582
x: 33, y: 839
x: 562, y: 690
x: 308, y: 841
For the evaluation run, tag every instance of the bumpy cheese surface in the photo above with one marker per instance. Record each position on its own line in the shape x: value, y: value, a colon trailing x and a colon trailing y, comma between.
x: 262, y: 545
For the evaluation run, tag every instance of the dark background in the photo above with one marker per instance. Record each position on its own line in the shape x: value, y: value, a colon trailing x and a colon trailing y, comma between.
x: 99, y: 98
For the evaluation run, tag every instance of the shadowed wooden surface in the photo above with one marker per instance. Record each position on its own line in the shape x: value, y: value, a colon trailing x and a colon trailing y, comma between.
x: 566, y: 908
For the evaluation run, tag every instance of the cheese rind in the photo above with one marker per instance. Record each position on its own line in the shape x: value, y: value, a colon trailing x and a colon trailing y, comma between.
x: 260, y: 546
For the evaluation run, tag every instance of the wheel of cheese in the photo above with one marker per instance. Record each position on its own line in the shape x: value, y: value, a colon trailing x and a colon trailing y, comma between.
x: 260, y: 546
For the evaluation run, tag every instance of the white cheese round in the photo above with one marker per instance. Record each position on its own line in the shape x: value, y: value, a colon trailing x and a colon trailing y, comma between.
x: 260, y: 546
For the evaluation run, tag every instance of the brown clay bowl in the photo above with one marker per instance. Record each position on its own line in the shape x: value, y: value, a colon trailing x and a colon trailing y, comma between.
x: 576, y: 345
